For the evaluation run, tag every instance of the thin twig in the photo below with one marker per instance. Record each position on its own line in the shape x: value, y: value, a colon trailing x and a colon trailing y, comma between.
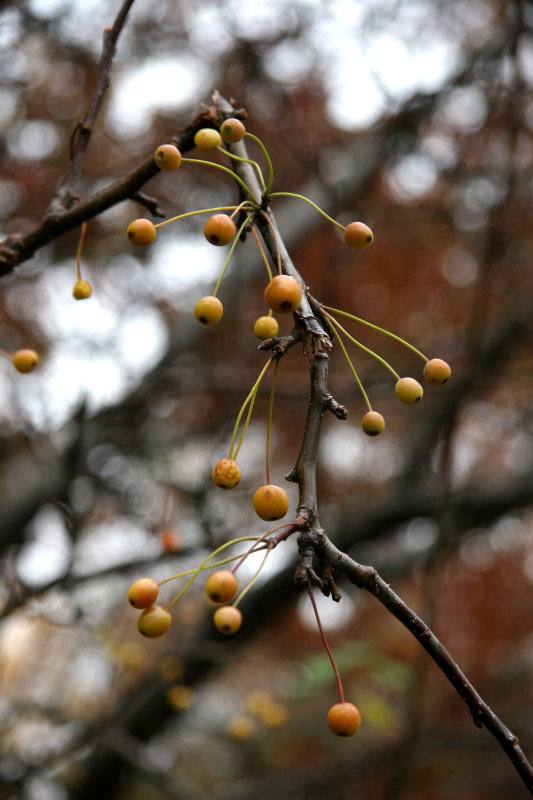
x: 20, y: 247
x: 81, y: 135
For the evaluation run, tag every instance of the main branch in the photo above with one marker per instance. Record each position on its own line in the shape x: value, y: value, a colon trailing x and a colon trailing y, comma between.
x: 318, y: 556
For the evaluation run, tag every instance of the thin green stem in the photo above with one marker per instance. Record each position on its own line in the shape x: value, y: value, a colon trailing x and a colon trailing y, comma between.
x: 80, y: 248
x: 247, y: 161
x: 224, y: 169
x: 253, y: 580
x: 246, y: 423
x: 267, y: 157
x: 232, y: 248
x: 269, y: 423
x: 325, y: 642
x: 356, y: 376
x: 260, y: 540
x: 214, y: 565
x: 263, y: 254
x: 366, y: 349
x: 377, y: 328
x: 193, y: 213
x: 307, y: 200
x: 251, y: 395
x: 202, y: 566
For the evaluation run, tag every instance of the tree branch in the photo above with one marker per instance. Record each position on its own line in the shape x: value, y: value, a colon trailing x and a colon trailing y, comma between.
x: 19, y: 247
x: 367, y: 578
x: 81, y: 135
x: 313, y: 542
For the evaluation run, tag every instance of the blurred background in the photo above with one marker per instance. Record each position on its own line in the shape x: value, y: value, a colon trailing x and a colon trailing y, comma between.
x: 415, y: 117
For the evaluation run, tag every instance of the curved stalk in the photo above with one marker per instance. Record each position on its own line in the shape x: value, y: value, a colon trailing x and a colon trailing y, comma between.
x: 362, y: 346
x: 377, y: 328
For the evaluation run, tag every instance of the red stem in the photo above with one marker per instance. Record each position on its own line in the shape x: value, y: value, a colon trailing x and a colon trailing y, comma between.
x: 326, y: 645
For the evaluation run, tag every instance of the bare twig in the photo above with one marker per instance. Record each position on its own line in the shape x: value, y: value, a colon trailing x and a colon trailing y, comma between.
x: 19, y: 247
x: 79, y: 142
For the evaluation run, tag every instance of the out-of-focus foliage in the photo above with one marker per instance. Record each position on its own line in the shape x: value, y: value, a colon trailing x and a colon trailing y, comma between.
x: 415, y: 117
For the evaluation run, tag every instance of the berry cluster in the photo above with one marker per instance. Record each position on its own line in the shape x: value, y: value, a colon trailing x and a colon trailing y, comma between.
x: 284, y: 294
x: 408, y: 390
x: 221, y: 588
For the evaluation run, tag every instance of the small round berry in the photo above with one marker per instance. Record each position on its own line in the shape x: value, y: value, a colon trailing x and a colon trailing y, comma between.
x: 344, y: 719
x: 373, y: 423
x: 207, y: 139
x: 283, y: 294
x: 227, y: 619
x: 208, y: 310
x: 154, y: 621
x: 82, y: 290
x: 141, y: 232
x: 257, y: 700
x: 437, y: 372
x: 167, y: 157
x: 143, y: 593
x: 275, y: 715
x: 408, y: 391
x: 170, y: 540
x: 130, y: 654
x: 226, y: 474
x: 241, y: 728
x: 219, y: 229
x: 266, y: 327
x: 180, y: 697
x: 357, y: 234
x: 271, y: 502
x: 232, y: 130
x: 25, y: 360
x: 221, y: 586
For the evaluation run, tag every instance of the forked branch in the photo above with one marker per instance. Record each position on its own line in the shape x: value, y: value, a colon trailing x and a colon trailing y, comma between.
x: 318, y: 556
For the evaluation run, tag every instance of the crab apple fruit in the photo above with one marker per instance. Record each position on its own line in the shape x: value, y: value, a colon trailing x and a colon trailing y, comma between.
x: 408, y: 391
x: 344, y: 719
x: 207, y: 139
x: 266, y: 327
x: 283, y: 294
x: 226, y: 474
x: 241, y: 728
x: 143, y: 593
x: 227, y: 619
x: 437, y: 372
x: 82, y: 290
x: 167, y: 157
x: 219, y: 229
x: 170, y: 540
x: 141, y: 232
x: 208, y: 310
x: 357, y: 234
x: 271, y: 502
x: 373, y: 423
x: 25, y: 360
x: 221, y: 586
x: 154, y: 621
x: 180, y: 697
x: 274, y: 715
x: 232, y: 130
